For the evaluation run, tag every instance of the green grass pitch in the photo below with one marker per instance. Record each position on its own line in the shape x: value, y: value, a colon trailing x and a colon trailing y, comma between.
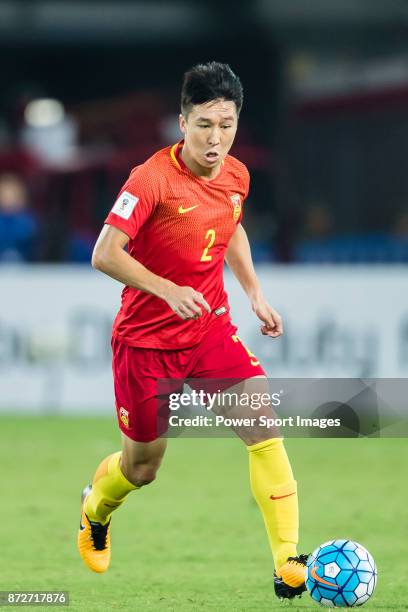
x: 194, y: 539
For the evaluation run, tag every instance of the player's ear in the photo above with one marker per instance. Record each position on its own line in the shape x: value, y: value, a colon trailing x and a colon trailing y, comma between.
x: 182, y: 123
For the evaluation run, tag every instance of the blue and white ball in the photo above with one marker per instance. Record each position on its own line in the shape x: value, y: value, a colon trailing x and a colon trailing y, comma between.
x: 341, y: 574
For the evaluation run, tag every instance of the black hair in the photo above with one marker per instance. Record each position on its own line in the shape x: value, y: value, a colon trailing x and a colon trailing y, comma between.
x: 210, y: 81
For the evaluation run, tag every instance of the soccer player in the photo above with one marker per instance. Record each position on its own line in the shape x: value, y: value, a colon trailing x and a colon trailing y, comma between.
x: 175, y: 220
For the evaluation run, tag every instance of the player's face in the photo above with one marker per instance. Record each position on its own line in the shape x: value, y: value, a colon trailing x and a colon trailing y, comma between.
x: 209, y: 131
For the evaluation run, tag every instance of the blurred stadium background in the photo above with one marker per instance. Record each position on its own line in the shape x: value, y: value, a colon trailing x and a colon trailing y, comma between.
x: 89, y: 90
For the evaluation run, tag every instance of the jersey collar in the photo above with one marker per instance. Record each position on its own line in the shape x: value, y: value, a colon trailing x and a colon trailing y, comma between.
x: 175, y: 154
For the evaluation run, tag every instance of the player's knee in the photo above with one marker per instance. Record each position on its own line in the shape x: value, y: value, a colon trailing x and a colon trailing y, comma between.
x: 142, y: 482
x: 250, y: 438
x: 140, y: 474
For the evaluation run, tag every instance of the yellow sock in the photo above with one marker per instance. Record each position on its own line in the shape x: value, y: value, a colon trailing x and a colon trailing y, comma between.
x: 275, y: 491
x: 109, y: 489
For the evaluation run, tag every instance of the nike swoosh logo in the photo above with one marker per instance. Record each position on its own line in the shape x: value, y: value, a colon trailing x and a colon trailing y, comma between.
x: 186, y: 210
x: 81, y: 526
x: 314, y: 574
x: 281, y: 496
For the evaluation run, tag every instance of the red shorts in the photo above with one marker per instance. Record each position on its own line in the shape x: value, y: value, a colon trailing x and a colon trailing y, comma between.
x: 142, y: 412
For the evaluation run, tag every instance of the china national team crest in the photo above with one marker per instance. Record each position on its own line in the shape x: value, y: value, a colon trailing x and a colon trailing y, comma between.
x: 124, y: 416
x: 236, y: 202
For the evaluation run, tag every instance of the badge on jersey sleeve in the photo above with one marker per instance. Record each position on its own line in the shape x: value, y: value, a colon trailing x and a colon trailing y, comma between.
x: 236, y: 202
x: 124, y: 205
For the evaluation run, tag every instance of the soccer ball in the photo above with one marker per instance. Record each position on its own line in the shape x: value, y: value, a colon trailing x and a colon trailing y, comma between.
x: 341, y: 574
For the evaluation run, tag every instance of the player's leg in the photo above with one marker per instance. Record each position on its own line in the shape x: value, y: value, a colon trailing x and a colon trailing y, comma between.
x: 141, y: 461
x: 117, y: 475
x: 275, y: 491
x: 272, y: 481
x: 120, y: 473
x: 137, y: 404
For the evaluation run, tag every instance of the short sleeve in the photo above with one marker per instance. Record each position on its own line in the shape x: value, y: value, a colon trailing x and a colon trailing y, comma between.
x: 136, y: 201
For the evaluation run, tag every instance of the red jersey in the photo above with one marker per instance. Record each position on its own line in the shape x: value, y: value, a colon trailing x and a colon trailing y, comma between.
x: 179, y: 227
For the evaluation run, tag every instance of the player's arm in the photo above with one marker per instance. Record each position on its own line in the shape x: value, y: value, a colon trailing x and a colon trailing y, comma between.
x: 239, y: 260
x: 109, y: 256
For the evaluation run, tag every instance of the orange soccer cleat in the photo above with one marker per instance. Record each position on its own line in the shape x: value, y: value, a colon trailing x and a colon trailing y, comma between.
x: 93, y: 540
x: 289, y: 579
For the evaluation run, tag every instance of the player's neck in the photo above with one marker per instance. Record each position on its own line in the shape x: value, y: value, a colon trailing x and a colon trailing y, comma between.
x: 205, y: 173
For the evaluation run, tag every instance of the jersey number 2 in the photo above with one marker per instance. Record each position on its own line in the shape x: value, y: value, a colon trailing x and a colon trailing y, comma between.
x: 210, y: 236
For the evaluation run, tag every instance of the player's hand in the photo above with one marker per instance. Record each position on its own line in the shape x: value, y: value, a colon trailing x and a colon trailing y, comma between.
x: 186, y: 302
x: 272, y: 321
